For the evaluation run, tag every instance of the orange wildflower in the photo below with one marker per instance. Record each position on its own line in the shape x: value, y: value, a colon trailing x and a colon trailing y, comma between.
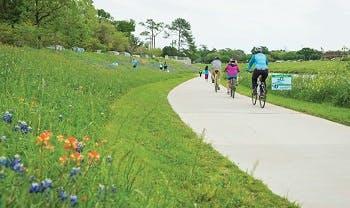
x: 44, y: 138
x: 70, y: 144
x: 77, y: 157
x: 60, y: 138
x: 64, y: 159
x: 85, y: 138
x: 84, y: 198
x: 81, y: 88
x: 49, y: 147
x: 94, y: 156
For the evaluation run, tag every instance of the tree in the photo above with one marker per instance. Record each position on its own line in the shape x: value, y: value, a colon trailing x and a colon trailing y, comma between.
x: 310, y: 54
x: 153, y: 29
x: 126, y: 27
x: 169, y: 50
x: 183, y: 32
x: 11, y: 11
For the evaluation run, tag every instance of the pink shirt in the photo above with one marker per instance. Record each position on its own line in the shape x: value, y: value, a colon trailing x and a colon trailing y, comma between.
x: 232, y: 70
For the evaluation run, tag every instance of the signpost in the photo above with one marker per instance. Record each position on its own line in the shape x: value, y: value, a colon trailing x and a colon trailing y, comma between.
x: 281, y: 81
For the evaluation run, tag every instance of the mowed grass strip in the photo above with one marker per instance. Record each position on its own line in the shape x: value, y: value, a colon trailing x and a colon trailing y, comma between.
x: 176, y: 168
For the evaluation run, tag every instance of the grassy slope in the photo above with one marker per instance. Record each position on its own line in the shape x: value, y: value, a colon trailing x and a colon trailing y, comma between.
x: 157, y: 160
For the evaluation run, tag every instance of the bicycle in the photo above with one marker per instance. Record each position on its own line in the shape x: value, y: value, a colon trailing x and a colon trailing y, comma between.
x: 233, y: 84
x: 216, y: 81
x: 260, y: 93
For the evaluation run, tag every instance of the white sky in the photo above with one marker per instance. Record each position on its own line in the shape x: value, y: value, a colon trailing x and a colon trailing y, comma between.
x: 242, y: 24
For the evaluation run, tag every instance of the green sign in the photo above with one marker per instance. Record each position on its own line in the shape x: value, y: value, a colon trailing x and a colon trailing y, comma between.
x: 281, y: 81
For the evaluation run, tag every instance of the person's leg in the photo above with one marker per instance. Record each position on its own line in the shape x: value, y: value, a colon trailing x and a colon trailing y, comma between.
x: 264, y: 74
x: 254, y: 80
x: 228, y: 85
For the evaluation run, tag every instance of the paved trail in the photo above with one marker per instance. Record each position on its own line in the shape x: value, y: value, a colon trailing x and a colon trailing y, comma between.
x: 301, y: 157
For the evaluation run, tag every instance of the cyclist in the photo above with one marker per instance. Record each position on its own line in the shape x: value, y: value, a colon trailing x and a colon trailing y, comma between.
x: 215, y: 69
x: 260, y: 62
x: 232, y: 73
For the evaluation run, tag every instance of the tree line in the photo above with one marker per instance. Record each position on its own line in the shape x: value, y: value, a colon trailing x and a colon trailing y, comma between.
x: 42, y: 23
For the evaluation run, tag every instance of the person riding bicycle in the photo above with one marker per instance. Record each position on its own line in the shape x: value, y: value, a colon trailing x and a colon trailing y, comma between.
x: 215, y: 69
x: 232, y: 73
x: 260, y: 62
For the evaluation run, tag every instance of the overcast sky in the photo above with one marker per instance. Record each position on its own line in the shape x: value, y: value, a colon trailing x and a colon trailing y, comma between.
x: 238, y: 24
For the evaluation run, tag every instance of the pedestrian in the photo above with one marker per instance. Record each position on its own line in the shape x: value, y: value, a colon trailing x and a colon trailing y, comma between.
x: 200, y: 72
x: 161, y: 66
x: 165, y: 66
x: 134, y: 63
x: 206, y: 73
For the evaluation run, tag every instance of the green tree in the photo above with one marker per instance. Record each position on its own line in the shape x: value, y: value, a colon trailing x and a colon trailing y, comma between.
x: 153, y: 29
x: 169, y: 50
x: 182, y: 29
x: 11, y: 11
x: 309, y: 54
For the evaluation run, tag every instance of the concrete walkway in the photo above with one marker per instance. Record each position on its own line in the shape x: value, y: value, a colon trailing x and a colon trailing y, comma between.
x: 301, y: 157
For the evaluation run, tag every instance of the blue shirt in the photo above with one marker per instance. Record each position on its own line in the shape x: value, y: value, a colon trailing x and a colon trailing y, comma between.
x: 259, y: 60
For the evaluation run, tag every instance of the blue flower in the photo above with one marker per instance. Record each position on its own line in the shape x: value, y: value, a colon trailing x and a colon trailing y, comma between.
x: 109, y: 159
x: 101, y: 188
x: 46, y: 184
x: 34, y: 188
x: 80, y: 147
x: 2, y: 138
x: 4, y: 162
x: 114, y: 189
x: 7, y: 117
x: 23, y: 127
x: 61, y: 194
x: 75, y: 171
x: 73, y: 199
x: 16, y: 164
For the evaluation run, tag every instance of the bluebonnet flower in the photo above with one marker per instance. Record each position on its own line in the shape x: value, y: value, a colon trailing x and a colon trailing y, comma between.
x: 45, y: 184
x: 16, y: 164
x: 2, y: 138
x: 7, y: 117
x: 34, y: 188
x: 23, y: 127
x: 80, y: 147
x: 61, y: 194
x: 75, y: 171
x: 73, y: 199
x: 4, y: 162
x: 109, y: 159
x: 32, y: 178
x: 114, y: 189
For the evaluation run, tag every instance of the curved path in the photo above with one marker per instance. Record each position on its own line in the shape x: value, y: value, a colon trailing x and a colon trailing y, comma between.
x: 298, y: 156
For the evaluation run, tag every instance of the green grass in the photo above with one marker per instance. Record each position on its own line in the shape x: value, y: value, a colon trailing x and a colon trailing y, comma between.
x: 146, y: 156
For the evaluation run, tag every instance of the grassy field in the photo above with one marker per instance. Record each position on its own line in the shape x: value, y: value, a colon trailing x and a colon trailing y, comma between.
x: 79, y: 132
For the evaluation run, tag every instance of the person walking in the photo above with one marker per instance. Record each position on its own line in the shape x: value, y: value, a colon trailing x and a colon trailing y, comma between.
x: 206, y: 73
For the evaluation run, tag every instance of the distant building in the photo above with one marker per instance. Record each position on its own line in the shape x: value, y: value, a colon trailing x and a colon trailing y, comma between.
x: 333, y: 54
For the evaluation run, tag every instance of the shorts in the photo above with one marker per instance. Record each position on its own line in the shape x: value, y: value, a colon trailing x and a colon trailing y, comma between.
x: 231, y: 77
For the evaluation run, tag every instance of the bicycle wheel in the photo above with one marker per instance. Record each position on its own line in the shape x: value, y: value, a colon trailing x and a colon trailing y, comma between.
x: 254, y: 98
x: 262, y: 97
x: 233, y: 88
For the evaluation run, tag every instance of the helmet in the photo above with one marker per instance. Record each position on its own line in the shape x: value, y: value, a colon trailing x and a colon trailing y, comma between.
x: 258, y: 50
x: 233, y: 60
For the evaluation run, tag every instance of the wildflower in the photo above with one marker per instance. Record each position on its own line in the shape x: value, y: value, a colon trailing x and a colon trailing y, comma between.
x: 94, y: 156
x: 77, y: 157
x: 33, y: 103
x: 75, y: 171
x: 85, y: 138
x: 44, y: 138
x: 2, y: 138
x: 80, y: 147
x: 63, y: 159
x: 16, y: 164
x: 109, y: 159
x: 84, y: 198
x: 32, y: 178
x: 70, y: 144
x: 4, y: 162
x: 70, y: 106
x: 73, y: 199
x: 23, y: 127
x: 61, y: 194
x: 80, y: 88
x: 34, y: 188
x: 114, y: 188
x: 60, y: 138
x: 2, y: 174
x: 7, y: 117
x: 60, y: 117
x: 45, y: 184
